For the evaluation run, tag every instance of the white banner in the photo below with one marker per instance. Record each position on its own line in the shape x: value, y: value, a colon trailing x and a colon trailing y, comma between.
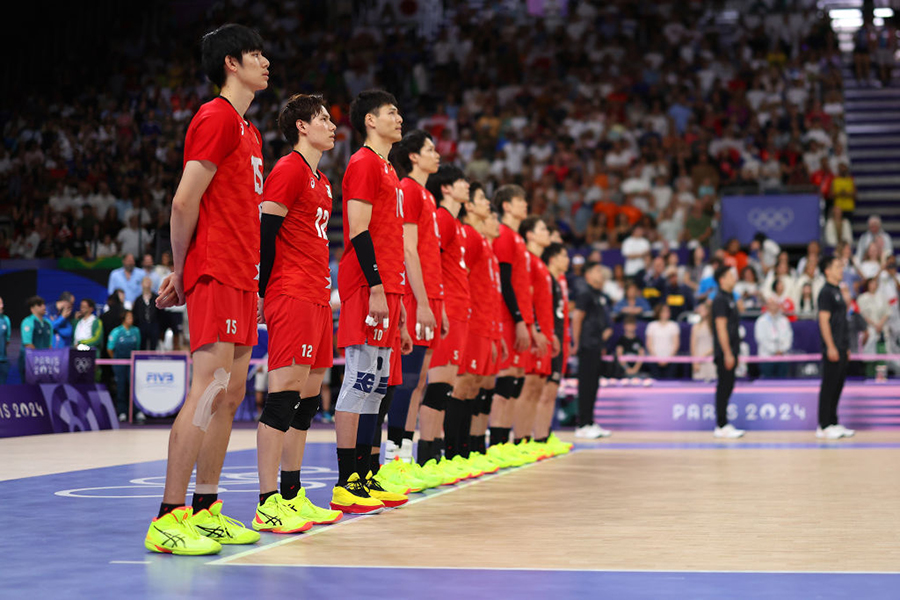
x: 159, y: 383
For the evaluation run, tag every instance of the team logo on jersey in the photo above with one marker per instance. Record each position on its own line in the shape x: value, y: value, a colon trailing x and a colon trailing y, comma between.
x: 312, y: 183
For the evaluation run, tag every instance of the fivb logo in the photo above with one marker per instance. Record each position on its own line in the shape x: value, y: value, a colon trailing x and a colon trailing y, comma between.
x: 160, y: 378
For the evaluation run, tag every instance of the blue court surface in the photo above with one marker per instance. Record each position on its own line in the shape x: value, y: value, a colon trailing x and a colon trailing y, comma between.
x: 79, y: 535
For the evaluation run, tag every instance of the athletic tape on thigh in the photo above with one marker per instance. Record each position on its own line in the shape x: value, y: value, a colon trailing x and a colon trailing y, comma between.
x: 203, y: 412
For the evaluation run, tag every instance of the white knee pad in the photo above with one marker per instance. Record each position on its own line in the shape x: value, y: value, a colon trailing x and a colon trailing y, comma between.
x: 203, y: 412
x: 365, y: 379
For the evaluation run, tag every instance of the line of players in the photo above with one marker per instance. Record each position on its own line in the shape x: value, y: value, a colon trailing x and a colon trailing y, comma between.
x: 454, y: 311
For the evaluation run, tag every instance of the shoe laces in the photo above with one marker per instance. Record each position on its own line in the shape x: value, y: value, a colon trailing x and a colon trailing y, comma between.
x: 227, y: 522
x: 373, y: 484
x: 357, y: 488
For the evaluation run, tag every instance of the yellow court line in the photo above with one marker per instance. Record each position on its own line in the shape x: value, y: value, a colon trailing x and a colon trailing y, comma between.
x: 325, y: 528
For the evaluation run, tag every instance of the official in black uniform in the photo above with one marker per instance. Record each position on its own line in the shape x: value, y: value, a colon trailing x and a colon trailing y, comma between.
x: 726, y: 345
x: 834, y: 327
x: 591, y: 328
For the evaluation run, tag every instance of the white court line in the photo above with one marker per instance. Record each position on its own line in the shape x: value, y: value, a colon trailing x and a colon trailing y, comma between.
x: 563, y: 570
x: 322, y: 529
x: 129, y: 562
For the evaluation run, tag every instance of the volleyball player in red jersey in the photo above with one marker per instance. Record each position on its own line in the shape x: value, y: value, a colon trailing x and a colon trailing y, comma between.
x: 537, y: 362
x: 482, y: 349
x: 215, y: 249
x: 295, y: 293
x: 416, y: 157
x: 449, y: 184
x: 518, y: 317
x: 371, y: 282
x: 556, y: 257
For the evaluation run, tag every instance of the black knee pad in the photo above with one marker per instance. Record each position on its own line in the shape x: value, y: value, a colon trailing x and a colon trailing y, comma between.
x: 305, y: 412
x: 280, y: 408
x: 517, y: 387
x: 436, y: 395
x: 506, y: 387
x: 487, y: 402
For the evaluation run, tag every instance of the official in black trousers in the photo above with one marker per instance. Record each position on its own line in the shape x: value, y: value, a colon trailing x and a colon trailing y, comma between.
x: 591, y: 329
x: 834, y: 327
x: 147, y: 316
x: 726, y: 348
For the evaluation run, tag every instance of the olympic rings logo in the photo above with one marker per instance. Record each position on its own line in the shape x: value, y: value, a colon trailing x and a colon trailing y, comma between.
x: 771, y: 219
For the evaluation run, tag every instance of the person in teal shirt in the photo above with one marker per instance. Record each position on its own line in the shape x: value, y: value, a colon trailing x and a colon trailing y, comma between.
x: 37, y: 331
x: 121, y: 342
x: 5, y: 333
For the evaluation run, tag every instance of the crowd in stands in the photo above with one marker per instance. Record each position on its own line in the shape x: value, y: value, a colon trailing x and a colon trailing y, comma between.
x: 623, y: 121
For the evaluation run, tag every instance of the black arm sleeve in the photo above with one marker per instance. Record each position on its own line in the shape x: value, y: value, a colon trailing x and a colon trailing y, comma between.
x: 365, y: 254
x: 509, y: 296
x: 268, y: 232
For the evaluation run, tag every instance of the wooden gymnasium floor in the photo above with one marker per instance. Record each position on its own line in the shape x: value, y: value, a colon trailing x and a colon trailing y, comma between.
x: 640, y: 515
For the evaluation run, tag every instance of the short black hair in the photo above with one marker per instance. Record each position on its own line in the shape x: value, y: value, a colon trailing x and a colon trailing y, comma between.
x: 368, y: 101
x: 125, y: 313
x: 825, y: 262
x: 90, y: 302
x: 590, y: 265
x: 34, y: 301
x: 505, y: 193
x: 474, y: 186
x: 529, y: 224
x: 412, y: 143
x: 720, y: 273
x: 300, y: 107
x: 630, y: 320
x: 552, y: 250
x: 445, y: 175
x: 228, y: 40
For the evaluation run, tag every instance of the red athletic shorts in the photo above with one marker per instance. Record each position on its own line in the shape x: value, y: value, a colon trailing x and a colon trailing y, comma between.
x: 538, y: 365
x: 450, y: 350
x: 396, y: 376
x: 300, y: 332
x: 477, y: 358
x: 436, y: 305
x: 515, y: 359
x: 220, y: 313
x: 352, y: 328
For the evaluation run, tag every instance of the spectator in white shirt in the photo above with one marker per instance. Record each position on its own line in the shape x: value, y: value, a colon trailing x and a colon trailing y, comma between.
x: 663, y: 340
x: 774, y: 337
x: 636, y: 251
x: 875, y: 232
x: 837, y: 228
x: 133, y: 240
x: 874, y: 309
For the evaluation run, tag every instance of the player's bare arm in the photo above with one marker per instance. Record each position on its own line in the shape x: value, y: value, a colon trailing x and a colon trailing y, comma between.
x: 185, y: 211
